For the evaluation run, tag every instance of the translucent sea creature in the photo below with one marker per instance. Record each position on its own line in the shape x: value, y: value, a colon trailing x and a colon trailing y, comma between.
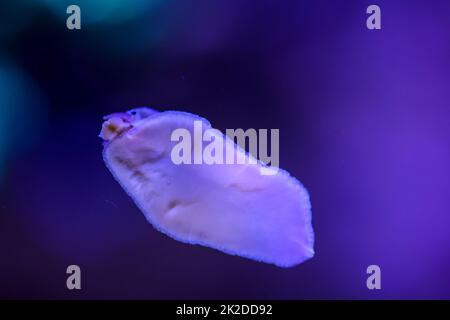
x: 229, y: 207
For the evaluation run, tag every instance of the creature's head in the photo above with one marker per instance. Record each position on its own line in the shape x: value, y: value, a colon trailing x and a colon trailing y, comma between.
x: 117, y: 123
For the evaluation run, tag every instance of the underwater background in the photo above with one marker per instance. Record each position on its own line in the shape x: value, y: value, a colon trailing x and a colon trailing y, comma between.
x: 364, y: 119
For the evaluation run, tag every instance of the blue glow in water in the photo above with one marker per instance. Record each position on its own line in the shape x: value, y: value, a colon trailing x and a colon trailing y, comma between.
x: 21, y: 112
x: 104, y: 11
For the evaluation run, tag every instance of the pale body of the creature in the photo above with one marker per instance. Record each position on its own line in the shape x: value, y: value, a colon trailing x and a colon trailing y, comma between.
x: 230, y: 207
